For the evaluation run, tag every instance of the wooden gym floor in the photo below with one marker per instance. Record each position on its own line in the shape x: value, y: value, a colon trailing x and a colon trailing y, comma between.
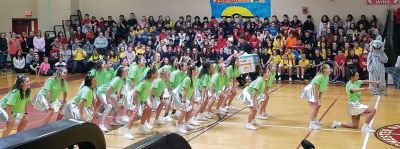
x: 285, y: 129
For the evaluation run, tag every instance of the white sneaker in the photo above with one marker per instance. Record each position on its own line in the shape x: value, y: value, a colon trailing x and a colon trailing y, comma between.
x: 335, y: 124
x: 189, y: 127
x: 207, y: 115
x: 314, y: 126
x: 168, y: 119
x: 127, y: 134
x: 367, y: 129
x: 267, y: 115
x: 318, y: 123
x: 251, y: 126
x: 103, y: 128
x: 262, y: 117
x: 143, y: 129
x: 116, y: 122
x: 290, y: 79
x: 159, y: 122
x: 201, y: 117
x: 224, y: 110
x: 125, y: 119
x: 193, y: 122
x: 255, y: 123
x: 180, y: 129
x: 148, y: 126
x: 220, y: 112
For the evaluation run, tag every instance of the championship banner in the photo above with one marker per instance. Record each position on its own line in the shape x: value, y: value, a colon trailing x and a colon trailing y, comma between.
x: 247, y: 63
x: 382, y: 2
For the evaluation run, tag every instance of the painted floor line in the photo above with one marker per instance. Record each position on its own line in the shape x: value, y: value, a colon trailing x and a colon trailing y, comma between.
x: 370, y: 124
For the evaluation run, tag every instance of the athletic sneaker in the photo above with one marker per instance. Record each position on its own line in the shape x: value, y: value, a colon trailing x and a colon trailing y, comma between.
x: 143, y: 129
x: 267, y: 114
x: 189, y: 127
x: 314, y: 126
x: 103, y: 128
x: 193, y: 122
x: 159, y: 122
x: 116, y: 122
x: 336, y: 124
x: 230, y: 107
x: 367, y: 129
x: 148, y: 125
x: 168, y: 119
x: 255, y: 123
x: 223, y: 110
x: 262, y: 117
x: 201, y: 117
x: 207, y: 115
x: 180, y: 129
x: 318, y: 123
x: 251, y: 126
x: 127, y: 134
x: 125, y: 119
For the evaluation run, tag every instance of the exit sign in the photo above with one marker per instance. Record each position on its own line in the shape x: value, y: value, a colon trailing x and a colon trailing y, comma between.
x: 382, y: 2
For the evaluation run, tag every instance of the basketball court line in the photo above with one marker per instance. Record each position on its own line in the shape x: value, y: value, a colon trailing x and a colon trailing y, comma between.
x: 323, y: 115
x: 370, y: 124
x: 293, y: 127
x: 209, y: 128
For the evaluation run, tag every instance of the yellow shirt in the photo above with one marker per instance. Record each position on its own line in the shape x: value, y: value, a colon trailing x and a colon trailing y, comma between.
x: 291, y: 56
x: 95, y: 58
x: 304, y: 63
x: 113, y: 59
x: 139, y: 51
x: 323, y: 53
x: 268, y: 51
x: 278, y: 45
x: 358, y: 51
x: 275, y: 59
x: 285, y: 63
x: 122, y: 54
x: 79, y: 54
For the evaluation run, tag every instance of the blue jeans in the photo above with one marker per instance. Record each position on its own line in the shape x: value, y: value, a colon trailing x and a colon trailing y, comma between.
x: 3, y: 61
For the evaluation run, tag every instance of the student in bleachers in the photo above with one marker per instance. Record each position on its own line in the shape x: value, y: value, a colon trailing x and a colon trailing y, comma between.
x: 19, y: 63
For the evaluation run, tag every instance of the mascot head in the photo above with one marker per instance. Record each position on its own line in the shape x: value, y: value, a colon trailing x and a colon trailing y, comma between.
x: 377, y: 46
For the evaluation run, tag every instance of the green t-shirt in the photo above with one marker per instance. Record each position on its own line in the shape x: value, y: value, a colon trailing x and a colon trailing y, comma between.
x: 259, y: 84
x: 215, y: 68
x: 176, y: 78
x: 55, y: 87
x: 110, y: 74
x: 159, y: 86
x: 188, y: 86
x: 321, y: 81
x: 271, y: 79
x: 13, y: 98
x: 203, y: 82
x: 353, y: 96
x: 143, y: 90
x: 232, y: 73
x: 168, y: 67
x: 116, y: 85
x: 100, y: 76
x: 157, y: 65
x: 218, y: 81
x: 136, y: 73
x: 85, y: 93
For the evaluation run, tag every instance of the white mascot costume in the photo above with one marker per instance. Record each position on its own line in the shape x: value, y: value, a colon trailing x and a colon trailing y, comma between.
x: 375, y: 66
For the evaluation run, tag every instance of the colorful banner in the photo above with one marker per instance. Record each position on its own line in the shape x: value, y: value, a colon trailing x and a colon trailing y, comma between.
x: 246, y: 8
x: 247, y: 63
x: 382, y: 2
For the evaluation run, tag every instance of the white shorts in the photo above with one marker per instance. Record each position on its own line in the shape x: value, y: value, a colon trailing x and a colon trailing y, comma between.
x: 356, y: 108
x: 308, y: 94
x: 71, y: 111
x: 245, y: 97
x: 40, y: 103
x: 177, y: 101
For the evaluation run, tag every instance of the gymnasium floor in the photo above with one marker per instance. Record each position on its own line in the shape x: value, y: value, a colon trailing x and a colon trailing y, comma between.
x: 285, y: 129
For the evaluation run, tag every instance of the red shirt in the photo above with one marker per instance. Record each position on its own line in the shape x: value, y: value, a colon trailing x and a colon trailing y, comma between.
x: 54, y: 53
x: 363, y: 62
x: 221, y: 43
x: 340, y: 59
x: 254, y: 42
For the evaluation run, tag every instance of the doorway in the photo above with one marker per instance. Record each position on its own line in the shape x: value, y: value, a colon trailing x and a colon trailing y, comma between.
x: 20, y: 25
